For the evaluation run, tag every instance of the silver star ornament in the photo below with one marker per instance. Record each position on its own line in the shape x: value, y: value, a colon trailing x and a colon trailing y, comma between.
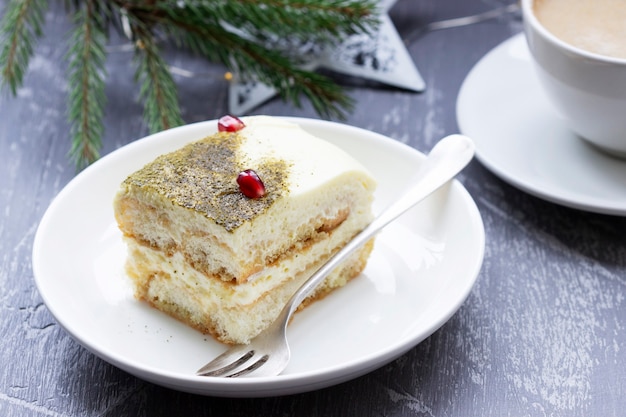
x: 380, y: 56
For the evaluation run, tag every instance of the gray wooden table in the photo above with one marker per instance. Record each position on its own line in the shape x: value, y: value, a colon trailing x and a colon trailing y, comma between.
x: 543, y: 332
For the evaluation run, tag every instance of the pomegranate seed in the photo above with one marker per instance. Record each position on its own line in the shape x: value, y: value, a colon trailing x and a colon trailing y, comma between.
x: 250, y: 184
x: 229, y: 123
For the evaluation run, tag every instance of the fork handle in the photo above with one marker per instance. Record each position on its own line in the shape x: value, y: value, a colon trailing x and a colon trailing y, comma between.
x: 447, y: 158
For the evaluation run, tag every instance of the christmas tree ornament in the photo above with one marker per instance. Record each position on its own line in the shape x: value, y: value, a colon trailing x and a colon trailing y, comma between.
x: 379, y: 55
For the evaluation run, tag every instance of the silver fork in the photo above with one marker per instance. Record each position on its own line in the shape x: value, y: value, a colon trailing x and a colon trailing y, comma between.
x: 268, y: 353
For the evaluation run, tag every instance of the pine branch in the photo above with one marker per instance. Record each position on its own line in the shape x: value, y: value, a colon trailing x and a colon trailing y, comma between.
x: 255, y: 57
x: 158, y: 90
x: 321, y: 21
x: 328, y: 99
x: 261, y: 40
x: 313, y: 20
x: 87, y: 75
x: 20, y: 26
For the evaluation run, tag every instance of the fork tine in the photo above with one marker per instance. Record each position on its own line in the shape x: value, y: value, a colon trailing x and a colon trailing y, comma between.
x: 254, y: 364
x: 234, y: 364
x: 226, y: 362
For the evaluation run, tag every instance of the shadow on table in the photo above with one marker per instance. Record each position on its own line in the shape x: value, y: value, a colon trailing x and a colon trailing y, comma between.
x: 595, y: 236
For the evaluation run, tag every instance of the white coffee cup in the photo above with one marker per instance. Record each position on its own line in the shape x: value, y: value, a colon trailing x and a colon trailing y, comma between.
x: 587, y: 89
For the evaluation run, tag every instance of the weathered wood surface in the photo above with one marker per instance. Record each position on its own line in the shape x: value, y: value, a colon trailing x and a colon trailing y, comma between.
x: 543, y: 332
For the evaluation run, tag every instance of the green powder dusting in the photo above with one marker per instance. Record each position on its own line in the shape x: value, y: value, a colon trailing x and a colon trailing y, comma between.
x: 202, y: 175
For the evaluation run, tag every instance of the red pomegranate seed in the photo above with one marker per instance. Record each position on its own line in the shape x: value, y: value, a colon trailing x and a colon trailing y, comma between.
x: 229, y: 123
x: 250, y: 184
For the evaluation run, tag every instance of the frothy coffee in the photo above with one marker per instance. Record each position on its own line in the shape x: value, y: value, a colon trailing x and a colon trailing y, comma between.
x: 597, y: 26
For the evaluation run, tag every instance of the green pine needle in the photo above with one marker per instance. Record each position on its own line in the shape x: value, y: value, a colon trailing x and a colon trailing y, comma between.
x: 20, y: 25
x: 252, y: 60
x: 87, y: 75
x: 307, y: 19
x: 157, y: 87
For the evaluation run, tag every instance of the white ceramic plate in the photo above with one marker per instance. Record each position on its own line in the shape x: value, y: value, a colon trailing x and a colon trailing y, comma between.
x: 521, y: 138
x: 420, y: 272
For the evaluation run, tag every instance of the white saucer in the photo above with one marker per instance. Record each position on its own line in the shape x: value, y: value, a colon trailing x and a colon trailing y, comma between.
x: 520, y: 138
x: 421, y: 270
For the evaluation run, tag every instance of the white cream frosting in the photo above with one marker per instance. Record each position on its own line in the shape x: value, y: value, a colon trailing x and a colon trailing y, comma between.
x: 314, y: 161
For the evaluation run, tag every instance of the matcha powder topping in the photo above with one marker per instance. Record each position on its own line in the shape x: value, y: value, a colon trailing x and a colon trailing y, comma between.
x: 202, y: 175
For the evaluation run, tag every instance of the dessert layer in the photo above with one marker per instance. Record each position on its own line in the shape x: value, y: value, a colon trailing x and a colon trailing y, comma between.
x: 288, y: 225
x: 231, y: 313
x: 188, y: 200
x: 224, y: 261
